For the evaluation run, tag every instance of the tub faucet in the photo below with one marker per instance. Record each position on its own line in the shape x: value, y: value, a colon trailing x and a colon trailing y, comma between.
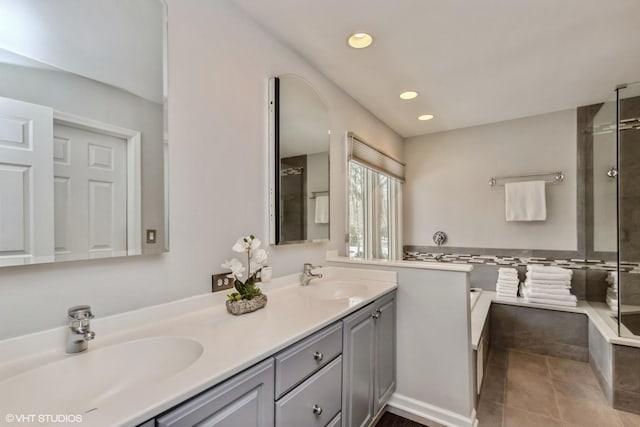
x: 307, y: 275
x: 80, y: 332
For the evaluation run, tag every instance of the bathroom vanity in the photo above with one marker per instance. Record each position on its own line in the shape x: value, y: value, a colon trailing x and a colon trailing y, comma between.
x: 304, y: 384
x: 322, y: 354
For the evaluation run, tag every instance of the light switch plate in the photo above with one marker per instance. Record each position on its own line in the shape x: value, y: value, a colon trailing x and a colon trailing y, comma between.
x: 220, y: 282
x: 152, y: 236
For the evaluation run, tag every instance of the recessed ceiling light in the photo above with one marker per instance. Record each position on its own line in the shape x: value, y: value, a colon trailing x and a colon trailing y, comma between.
x: 425, y: 117
x: 410, y: 94
x: 360, y: 40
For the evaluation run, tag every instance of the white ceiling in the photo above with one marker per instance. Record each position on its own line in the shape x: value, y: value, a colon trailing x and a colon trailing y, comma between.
x: 473, y: 61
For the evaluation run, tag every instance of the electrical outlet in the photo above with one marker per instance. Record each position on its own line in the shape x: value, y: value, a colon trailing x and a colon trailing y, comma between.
x: 220, y: 282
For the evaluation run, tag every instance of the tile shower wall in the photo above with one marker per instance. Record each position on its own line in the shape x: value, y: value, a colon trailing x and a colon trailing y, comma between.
x: 588, y: 275
x: 629, y: 182
x: 534, y: 330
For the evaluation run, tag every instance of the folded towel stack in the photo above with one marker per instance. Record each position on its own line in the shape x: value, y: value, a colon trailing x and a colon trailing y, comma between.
x: 549, y: 285
x: 507, y: 285
x: 612, y: 291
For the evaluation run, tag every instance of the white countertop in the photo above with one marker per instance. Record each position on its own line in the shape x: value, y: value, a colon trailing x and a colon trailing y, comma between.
x: 230, y: 343
x: 425, y: 265
x: 598, y: 313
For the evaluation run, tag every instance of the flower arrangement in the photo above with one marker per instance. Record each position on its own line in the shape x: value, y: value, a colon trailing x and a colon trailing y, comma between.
x: 244, y: 278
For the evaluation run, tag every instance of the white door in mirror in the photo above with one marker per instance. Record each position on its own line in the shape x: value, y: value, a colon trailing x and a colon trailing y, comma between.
x: 26, y: 176
x: 90, y: 186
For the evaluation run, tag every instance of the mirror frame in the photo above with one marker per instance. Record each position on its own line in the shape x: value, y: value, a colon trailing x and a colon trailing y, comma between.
x: 274, y: 163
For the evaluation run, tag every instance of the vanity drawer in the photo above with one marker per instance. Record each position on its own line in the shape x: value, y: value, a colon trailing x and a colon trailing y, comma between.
x: 315, y: 402
x: 303, y: 359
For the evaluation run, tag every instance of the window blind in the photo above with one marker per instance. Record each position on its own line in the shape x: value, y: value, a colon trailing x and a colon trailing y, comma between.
x: 364, y: 154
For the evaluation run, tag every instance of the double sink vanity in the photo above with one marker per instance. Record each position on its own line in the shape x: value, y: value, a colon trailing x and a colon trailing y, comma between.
x: 322, y: 354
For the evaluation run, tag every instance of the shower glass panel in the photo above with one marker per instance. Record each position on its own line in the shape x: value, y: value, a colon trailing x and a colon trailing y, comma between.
x: 628, y: 144
x: 603, y: 176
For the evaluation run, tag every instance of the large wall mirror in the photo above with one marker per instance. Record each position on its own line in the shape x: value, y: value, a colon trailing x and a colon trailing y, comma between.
x: 299, y: 162
x: 83, y: 140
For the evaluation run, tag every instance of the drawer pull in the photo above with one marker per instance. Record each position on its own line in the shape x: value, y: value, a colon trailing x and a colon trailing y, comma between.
x: 318, y: 356
x: 317, y: 409
x: 376, y: 314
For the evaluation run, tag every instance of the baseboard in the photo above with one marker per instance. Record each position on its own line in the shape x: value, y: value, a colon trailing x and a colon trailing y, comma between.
x: 425, y: 413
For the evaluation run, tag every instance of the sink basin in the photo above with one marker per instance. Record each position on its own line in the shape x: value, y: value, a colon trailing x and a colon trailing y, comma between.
x: 82, y: 383
x: 334, y: 290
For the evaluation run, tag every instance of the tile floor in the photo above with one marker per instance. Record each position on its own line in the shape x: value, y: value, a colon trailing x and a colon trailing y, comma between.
x: 530, y: 390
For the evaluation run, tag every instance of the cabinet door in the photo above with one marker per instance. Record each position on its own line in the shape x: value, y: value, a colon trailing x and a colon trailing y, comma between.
x: 385, y: 363
x: 358, y: 363
x: 245, y: 400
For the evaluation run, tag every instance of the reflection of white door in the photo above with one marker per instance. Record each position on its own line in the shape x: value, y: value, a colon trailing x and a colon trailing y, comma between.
x: 26, y: 182
x: 90, y: 183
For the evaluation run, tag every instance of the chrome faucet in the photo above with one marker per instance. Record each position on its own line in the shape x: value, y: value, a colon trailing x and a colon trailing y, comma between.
x: 80, y: 332
x: 307, y: 275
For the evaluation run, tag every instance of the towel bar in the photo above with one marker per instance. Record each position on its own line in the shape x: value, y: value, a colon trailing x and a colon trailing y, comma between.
x: 554, y: 178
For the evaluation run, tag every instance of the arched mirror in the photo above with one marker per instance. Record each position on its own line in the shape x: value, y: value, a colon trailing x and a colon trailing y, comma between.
x: 299, y: 162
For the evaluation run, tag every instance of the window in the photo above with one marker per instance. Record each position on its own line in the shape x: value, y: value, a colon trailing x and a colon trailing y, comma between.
x: 375, y: 200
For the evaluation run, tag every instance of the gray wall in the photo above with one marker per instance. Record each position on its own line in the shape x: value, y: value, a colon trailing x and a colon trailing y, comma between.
x: 447, y: 183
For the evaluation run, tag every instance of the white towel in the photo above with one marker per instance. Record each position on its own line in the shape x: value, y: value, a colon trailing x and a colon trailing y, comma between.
x: 552, y: 302
x: 547, y: 290
x: 322, y: 209
x: 507, y: 284
x: 559, y: 277
x: 557, y: 285
x: 508, y: 275
x: 528, y: 293
x: 507, y: 295
x: 548, y: 269
x: 525, y: 201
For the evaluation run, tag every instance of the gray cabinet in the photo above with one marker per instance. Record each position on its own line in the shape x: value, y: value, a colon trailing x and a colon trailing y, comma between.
x: 301, y: 360
x: 315, y: 402
x: 384, y: 379
x: 309, y: 380
x: 342, y: 375
x: 369, y: 362
x: 244, y: 400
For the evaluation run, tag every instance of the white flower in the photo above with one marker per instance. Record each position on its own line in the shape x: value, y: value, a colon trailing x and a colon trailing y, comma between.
x: 239, y: 246
x: 246, y: 243
x: 260, y: 256
x: 258, y: 260
x: 255, y: 243
x: 236, y: 268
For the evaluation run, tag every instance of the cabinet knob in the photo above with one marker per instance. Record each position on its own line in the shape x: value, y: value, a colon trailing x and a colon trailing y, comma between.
x: 376, y: 314
x: 318, y: 356
x: 317, y: 409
